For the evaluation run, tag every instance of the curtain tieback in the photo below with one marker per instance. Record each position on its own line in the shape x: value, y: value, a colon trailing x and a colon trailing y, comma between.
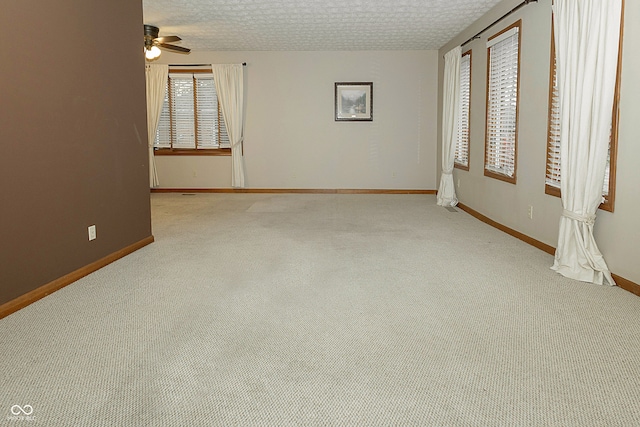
x: 587, y: 219
x: 240, y: 141
x: 447, y: 173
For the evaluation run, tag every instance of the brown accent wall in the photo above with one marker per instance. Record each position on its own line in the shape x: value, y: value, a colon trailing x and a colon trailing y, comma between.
x: 72, y: 137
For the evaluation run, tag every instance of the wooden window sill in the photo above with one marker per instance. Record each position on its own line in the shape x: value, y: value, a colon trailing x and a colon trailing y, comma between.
x: 555, y: 191
x: 499, y: 176
x: 174, y: 152
x: 461, y: 166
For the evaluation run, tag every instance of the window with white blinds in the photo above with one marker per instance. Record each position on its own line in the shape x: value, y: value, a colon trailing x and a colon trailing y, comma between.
x: 461, y: 158
x: 553, y: 133
x: 191, y: 118
x: 552, y: 178
x: 503, y: 53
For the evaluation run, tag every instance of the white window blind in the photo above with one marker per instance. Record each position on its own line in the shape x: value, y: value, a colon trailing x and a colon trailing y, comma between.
x: 502, y: 104
x: 224, y: 136
x: 553, y: 147
x: 462, y: 142
x: 206, y: 112
x: 553, y: 143
x: 163, y: 133
x: 182, y: 110
x: 191, y: 116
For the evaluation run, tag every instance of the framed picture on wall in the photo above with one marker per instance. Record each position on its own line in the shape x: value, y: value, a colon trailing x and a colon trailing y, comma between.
x: 354, y: 101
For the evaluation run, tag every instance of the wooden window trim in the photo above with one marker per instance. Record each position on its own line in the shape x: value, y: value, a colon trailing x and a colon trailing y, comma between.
x: 609, y: 200
x: 192, y: 151
x: 488, y: 173
x: 190, y: 70
x: 460, y: 166
x: 196, y: 134
x: 550, y: 189
x: 456, y: 164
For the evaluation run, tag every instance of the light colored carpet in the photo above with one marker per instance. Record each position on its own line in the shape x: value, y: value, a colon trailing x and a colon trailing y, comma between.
x: 343, y: 310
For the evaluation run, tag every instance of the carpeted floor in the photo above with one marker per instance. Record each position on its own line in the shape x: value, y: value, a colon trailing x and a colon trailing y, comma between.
x: 342, y: 310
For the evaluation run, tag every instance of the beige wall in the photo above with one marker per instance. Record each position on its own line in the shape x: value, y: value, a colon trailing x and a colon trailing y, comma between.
x: 292, y: 140
x: 618, y: 233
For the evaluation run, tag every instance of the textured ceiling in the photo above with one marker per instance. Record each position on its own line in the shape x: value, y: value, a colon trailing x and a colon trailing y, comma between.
x: 210, y: 25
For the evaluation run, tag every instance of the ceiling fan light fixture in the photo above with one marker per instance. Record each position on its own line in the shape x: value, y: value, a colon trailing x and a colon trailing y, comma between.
x: 152, y: 53
x: 153, y: 43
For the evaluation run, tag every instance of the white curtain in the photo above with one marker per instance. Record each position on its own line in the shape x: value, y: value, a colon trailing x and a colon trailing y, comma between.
x: 156, y: 76
x: 450, y: 112
x: 229, y: 80
x: 586, y: 39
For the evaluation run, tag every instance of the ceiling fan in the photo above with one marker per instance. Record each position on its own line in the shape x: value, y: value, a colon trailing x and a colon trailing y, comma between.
x: 153, y: 43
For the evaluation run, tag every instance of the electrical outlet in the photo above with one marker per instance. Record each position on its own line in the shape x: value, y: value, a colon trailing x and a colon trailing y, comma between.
x: 530, y: 212
x: 458, y: 182
x: 92, y: 232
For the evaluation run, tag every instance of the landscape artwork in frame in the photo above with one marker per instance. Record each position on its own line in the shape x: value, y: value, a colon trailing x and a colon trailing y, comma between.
x: 354, y: 101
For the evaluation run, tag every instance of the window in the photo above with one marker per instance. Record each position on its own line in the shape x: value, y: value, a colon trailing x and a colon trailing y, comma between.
x: 552, y: 178
x: 191, y: 120
x: 503, y: 58
x: 552, y: 181
x: 461, y: 159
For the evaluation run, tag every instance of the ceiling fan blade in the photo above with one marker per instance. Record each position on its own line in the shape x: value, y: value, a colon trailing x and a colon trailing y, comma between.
x: 168, y: 39
x: 179, y: 49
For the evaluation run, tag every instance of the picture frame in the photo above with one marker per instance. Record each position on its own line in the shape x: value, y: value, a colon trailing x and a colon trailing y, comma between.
x: 354, y: 101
